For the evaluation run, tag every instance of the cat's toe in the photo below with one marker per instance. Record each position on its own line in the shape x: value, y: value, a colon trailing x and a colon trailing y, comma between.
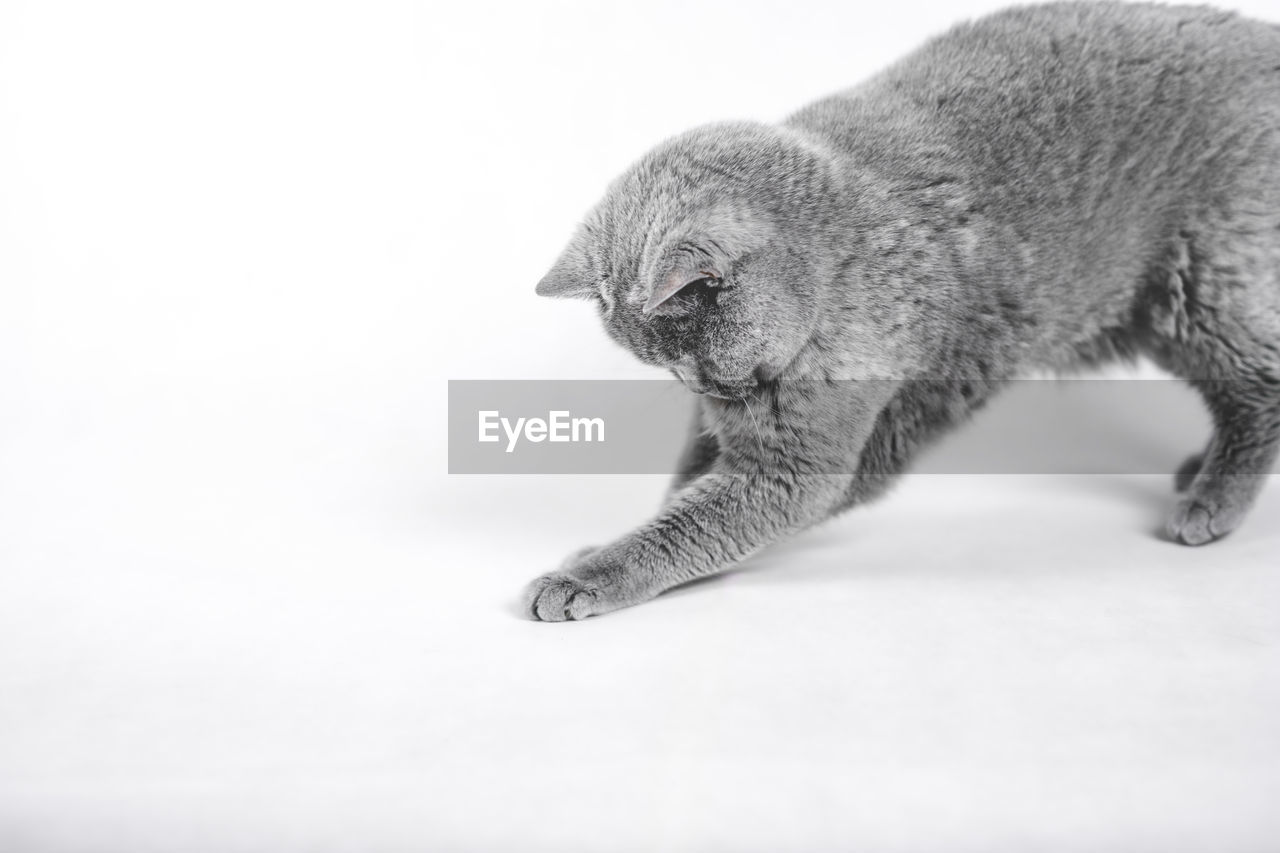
x: 1189, y: 524
x: 559, y: 598
x: 1194, y: 522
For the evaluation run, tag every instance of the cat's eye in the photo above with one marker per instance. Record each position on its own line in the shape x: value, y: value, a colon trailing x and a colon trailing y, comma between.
x: 702, y: 289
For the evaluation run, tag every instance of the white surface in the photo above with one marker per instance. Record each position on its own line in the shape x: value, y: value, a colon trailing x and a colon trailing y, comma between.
x: 242, y: 608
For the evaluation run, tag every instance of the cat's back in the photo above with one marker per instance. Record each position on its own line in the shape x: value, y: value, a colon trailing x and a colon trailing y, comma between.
x: 1056, y: 157
x: 1091, y: 73
x: 1075, y: 99
x: 1091, y: 49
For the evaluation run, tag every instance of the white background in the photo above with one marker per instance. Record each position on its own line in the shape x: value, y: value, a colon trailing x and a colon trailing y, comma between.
x: 243, y: 608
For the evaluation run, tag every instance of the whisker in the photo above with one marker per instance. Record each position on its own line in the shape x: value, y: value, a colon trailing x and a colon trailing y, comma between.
x: 759, y: 437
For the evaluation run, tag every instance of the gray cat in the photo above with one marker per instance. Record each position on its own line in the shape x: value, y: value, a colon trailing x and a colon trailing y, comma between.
x: 1045, y: 188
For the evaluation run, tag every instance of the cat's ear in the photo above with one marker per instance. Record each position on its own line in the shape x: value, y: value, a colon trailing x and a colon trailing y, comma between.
x: 677, y: 279
x: 570, y: 276
x: 705, y: 251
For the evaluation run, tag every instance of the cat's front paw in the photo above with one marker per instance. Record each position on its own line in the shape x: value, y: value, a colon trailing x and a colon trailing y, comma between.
x: 586, y: 585
x: 1199, y: 520
x: 560, y: 597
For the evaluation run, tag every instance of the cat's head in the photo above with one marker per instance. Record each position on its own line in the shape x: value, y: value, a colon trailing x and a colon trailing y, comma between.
x: 701, y: 258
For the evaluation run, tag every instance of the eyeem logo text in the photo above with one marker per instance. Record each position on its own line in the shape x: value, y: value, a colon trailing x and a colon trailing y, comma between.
x: 558, y: 426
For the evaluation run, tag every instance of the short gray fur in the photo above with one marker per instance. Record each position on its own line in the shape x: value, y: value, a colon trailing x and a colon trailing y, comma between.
x: 1049, y: 187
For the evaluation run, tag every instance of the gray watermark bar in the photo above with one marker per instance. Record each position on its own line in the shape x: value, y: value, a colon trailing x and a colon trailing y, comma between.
x: 1032, y: 426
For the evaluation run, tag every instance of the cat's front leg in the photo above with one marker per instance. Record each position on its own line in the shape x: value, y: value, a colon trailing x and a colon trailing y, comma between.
x: 700, y: 452
x: 717, y: 521
x: 773, y: 476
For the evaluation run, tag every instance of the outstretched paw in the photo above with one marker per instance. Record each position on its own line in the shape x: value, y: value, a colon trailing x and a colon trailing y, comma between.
x: 588, y: 583
x: 1196, y: 522
x: 560, y: 597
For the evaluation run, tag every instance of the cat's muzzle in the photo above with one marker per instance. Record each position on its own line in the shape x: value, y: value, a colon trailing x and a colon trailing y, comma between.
x: 699, y: 383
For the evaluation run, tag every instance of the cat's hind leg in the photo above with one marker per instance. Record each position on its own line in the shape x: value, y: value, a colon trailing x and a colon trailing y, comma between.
x: 1246, y: 438
x: 1216, y: 323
